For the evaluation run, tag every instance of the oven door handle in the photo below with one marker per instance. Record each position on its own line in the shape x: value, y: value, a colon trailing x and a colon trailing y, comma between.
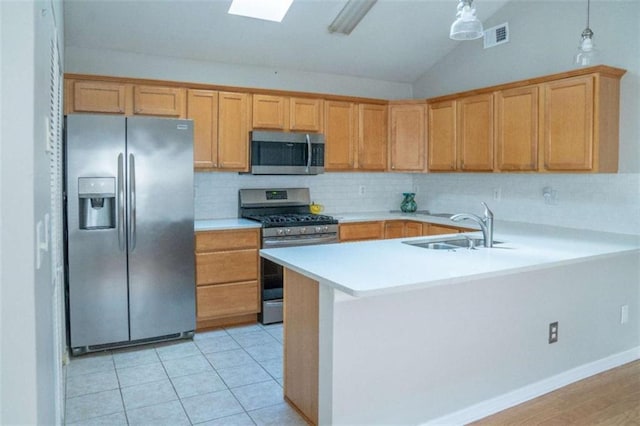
x: 301, y: 242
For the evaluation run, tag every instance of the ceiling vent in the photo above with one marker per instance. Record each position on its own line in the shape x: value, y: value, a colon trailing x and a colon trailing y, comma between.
x: 496, y: 35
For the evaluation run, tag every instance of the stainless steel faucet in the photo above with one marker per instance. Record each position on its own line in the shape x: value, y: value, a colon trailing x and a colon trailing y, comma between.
x: 486, y: 223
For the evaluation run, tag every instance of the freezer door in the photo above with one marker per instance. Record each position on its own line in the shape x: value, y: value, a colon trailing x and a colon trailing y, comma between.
x: 161, y: 238
x: 97, y: 262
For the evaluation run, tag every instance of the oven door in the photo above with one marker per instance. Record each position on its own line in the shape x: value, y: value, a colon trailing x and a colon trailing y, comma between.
x: 272, y: 278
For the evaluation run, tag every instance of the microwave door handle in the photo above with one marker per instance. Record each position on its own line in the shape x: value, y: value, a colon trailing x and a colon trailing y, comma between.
x: 309, y: 153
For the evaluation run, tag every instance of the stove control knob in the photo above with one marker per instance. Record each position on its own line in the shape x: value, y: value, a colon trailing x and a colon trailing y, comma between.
x: 318, y: 229
x: 325, y: 228
x: 287, y: 231
x: 303, y: 230
x: 280, y: 231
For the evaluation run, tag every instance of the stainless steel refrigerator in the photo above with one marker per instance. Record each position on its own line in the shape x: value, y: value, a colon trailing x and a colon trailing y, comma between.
x: 129, y: 230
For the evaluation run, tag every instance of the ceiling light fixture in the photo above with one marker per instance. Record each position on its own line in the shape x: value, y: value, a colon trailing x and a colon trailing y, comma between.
x: 466, y: 26
x: 350, y: 16
x: 268, y: 10
x: 587, y: 54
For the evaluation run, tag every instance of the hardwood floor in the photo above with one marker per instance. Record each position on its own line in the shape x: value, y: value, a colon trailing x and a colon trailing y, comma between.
x: 609, y: 398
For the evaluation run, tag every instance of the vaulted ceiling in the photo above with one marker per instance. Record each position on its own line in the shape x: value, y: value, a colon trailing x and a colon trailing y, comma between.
x: 398, y: 40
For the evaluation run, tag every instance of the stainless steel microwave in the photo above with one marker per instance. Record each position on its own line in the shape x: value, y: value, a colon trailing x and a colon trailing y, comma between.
x: 287, y: 153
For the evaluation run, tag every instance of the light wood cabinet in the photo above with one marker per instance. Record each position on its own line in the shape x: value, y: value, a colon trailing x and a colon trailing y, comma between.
x: 220, y: 129
x: 227, y: 276
x: 202, y: 108
x: 433, y: 229
x: 305, y: 114
x: 341, y: 135
x: 590, y: 103
x: 475, y: 133
x: 234, y: 118
x: 441, y: 142
x: 407, y: 137
x: 159, y: 101
x: 402, y: 229
x: 95, y: 96
x: 372, y: 137
x: 516, y: 129
x: 361, y: 231
x: 287, y: 113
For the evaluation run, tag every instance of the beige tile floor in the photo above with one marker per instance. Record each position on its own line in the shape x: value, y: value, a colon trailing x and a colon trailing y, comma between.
x: 231, y: 376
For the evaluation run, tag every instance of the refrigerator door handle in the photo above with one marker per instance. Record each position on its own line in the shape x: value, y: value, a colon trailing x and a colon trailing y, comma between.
x: 132, y: 202
x: 121, y: 236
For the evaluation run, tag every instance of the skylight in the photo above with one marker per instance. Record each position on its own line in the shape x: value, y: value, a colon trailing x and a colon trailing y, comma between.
x: 269, y: 10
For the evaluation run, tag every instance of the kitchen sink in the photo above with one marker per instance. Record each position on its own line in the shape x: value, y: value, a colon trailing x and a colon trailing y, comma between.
x: 450, y: 243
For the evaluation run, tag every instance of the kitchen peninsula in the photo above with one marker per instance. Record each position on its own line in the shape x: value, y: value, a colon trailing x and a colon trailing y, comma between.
x: 382, y: 332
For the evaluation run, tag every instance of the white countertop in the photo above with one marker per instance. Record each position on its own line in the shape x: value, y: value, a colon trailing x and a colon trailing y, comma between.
x: 382, y: 266
x: 221, y: 224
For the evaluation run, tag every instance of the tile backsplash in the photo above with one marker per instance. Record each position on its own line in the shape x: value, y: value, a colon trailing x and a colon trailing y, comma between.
x: 216, y: 193
x: 605, y: 202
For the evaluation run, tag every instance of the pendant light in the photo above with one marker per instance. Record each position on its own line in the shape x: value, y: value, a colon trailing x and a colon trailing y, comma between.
x: 587, y: 54
x: 466, y: 26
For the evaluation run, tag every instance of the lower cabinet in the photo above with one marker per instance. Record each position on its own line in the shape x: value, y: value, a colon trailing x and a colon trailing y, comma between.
x: 432, y: 229
x: 403, y: 229
x: 361, y: 231
x: 227, y: 271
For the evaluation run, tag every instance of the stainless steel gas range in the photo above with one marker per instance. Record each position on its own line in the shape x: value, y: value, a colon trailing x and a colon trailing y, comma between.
x: 286, y: 222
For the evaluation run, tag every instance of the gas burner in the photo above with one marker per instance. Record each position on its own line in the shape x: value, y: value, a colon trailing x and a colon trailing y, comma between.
x: 295, y: 219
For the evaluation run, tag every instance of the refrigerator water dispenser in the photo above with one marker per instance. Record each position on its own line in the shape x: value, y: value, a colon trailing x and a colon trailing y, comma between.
x: 97, y: 202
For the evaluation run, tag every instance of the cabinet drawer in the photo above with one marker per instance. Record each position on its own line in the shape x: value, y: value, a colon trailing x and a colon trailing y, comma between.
x: 361, y: 231
x: 226, y: 266
x: 214, y: 301
x: 227, y: 240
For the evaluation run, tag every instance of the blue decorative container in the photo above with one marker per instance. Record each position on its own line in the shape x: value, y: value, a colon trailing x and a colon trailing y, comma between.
x: 408, y: 204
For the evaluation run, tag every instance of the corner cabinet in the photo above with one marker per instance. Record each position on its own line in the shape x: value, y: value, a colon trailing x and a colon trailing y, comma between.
x: 407, y: 137
x: 227, y: 271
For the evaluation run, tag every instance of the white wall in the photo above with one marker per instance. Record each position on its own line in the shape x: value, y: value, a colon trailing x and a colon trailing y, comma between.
x: 543, y: 37
x: 27, y: 388
x: 116, y: 63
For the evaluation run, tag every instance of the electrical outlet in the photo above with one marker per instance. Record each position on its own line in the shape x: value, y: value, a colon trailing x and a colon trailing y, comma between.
x: 553, y: 332
x: 497, y: 194
x: 624, y: 314
x: 361, y: 190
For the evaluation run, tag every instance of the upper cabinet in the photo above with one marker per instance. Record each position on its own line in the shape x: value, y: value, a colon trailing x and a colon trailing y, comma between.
x: 356, y: 136
x: 565, y: 122
x: 407, y: 137
x: 287, y: 113
x: 372, y: 137
x: 340, y: 134
x: 95, y: 96
x: 202, y: 108
x: 516, y: 129
x: 441, y: 125
x: 475, y: 133
x: 159, y: 101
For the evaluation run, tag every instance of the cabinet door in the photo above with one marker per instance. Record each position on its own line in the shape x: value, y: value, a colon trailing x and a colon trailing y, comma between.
x: 161, y: 101
x: 361, y: 231
x: 98, y: 96
x: 517, y: 129
x: 441, y: 139
x: 234, y: 117
x: 407, y: 138
x: 568, y: 124
x: 394, y: 229
x: 223, y: 300
x: 202, y: 108
x: 413, y: 229
x: 269, y: 112
x: 475, y: 132
x: 340, y: 132
x: 372, y: 137
x: 305, y: 114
